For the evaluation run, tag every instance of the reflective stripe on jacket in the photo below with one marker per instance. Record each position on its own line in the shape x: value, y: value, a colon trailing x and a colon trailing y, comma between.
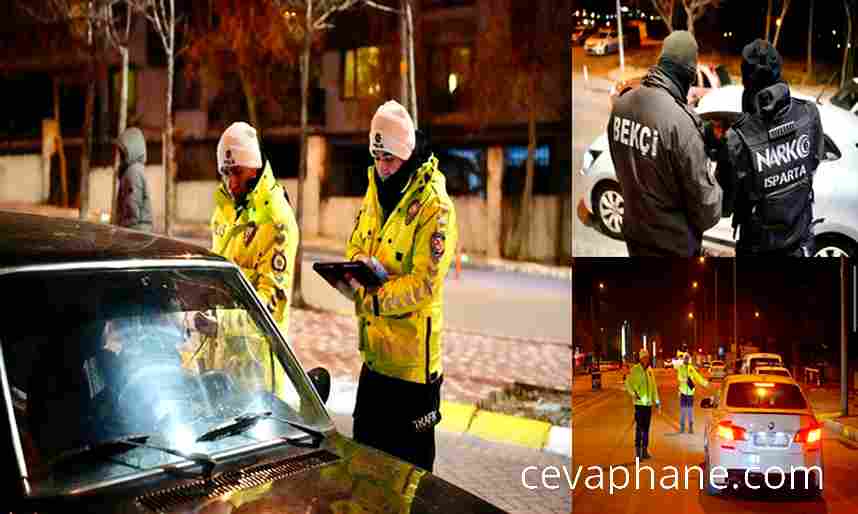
x: 400, y: 324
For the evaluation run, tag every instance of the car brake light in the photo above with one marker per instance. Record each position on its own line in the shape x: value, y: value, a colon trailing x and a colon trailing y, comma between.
x: 809, y: 435
x: 727, y: 430
x: 763, y: 384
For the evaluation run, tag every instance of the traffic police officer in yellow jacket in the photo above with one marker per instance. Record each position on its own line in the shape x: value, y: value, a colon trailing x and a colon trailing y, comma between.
x: 253, y: 225
x: 407, y: 226
x: 640, y: 384
x: 687, y: 377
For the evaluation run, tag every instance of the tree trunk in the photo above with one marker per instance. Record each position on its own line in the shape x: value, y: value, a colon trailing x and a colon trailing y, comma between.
x: 61, y: 151
x: 86, y: 152
x: 768, y: 20
x: 120, y: 128
x: 404, y: 72
x: 297, y: 295
x: 784, y: 9
x: 690, y: 19
x: 409, y: 22
x: 520, y: 244
x: 666, y: 17
x: 168, y: 155
x: 846, y: 49
x: 809, y: 65
x: 250, y: 98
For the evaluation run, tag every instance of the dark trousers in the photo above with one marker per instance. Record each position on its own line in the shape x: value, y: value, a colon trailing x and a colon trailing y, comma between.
x: 398, y: 417
x: 643, y: 416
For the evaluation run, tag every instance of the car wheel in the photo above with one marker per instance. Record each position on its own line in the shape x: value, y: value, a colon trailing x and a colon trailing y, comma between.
x: 707, y: 476
x: 835, y: 245
x: 609, y: 207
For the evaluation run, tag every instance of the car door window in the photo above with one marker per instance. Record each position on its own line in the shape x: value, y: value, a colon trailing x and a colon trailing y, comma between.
x: 832, y: 153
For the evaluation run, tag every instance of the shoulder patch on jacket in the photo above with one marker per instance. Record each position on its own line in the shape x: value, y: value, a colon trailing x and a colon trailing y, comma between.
x: 278, y: 261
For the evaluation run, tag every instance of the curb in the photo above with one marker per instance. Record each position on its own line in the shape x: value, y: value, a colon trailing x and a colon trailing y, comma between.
x: 845, y: 431
x: 467, y: 419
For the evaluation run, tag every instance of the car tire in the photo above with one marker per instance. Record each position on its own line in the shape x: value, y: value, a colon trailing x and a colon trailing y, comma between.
x: 608, y: 207
x: 707, y: 475
x: 835, y: 245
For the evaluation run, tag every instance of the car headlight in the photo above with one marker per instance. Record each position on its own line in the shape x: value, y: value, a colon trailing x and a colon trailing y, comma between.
x: 590, y: 157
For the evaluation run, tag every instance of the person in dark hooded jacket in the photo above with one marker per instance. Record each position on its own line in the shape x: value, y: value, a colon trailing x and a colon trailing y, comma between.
x: 768, y: 161
x: 657, y: 146
x: 134, y: 209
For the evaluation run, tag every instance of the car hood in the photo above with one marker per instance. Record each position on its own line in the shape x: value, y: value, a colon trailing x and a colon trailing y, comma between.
x: 600, y: 144
x: 340, y: 477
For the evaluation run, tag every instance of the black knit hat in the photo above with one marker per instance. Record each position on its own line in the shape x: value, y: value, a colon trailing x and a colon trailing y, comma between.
x: 761, y: 65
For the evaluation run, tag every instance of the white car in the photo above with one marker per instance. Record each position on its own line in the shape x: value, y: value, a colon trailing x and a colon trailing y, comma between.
x: 772, y: 370
x: 762, y: 428
x: 751, y: 361
x: 717, y: 370
x: 604, y: 42
x: 835, y: 184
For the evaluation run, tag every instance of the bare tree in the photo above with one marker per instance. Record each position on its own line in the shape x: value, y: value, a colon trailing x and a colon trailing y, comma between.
x: 117, y: 16
x: 162, y: 15
x: 780, y: 21
x: 694, y: 9
x: 809, y: 66
x: 665, y: 9
x: 768, y: 20
x: 847, y: 47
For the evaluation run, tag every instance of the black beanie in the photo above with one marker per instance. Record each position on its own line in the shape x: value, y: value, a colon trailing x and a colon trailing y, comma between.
x: 761, y: 65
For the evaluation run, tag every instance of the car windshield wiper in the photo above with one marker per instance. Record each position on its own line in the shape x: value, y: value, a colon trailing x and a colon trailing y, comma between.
x: 127, y: 442
x: 247, y: 421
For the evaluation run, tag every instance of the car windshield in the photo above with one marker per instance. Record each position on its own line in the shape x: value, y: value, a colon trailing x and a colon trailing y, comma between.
x: 765, y: 395
x: 766, y: 361
x: 96, y: 355
x: 847, y: 97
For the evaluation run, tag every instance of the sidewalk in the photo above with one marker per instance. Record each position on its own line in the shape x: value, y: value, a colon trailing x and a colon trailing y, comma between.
x: 826, y: 404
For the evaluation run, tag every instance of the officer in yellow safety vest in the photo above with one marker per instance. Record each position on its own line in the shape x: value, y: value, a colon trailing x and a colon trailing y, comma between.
x: 406, y: 230
x: 640, y: 384
x: 253, y: 225
x: 687, y: 376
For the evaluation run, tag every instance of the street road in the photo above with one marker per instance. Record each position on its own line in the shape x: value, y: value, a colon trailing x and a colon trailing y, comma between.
x: 603, y: 435
x: 489, y: 302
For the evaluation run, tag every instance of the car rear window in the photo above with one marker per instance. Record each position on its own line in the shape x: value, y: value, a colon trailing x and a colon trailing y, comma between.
x: 768, y: 361
x: 765, y: 395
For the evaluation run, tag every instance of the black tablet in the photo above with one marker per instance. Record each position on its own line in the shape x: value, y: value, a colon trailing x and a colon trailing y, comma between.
x: 334, y: 272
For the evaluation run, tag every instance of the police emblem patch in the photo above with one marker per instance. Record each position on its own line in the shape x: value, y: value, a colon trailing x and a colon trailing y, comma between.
x: 436, y: 246
x: 278, y: 261
x: 413, y: 209
x: 250, y: 233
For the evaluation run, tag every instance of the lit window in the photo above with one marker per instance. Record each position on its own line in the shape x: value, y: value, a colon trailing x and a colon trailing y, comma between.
x: 362, y: 72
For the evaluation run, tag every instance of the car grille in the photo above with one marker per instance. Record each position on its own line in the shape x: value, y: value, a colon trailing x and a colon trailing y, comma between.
x: 232, y: 481
x: 771, y: 439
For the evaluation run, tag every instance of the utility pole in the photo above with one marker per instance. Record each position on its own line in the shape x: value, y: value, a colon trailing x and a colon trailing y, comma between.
x: 735, y: 311
x: 844, y: 356
x: 620, y: 33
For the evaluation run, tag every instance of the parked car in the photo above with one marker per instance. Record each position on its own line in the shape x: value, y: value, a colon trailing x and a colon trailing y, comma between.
x: 773, y: 370
x: 762, y: 425
x: 751, y: 361
x: 605, y: 41
x: 708, y: 78
x: 115, y: 399
x: 835, y: 184
x: 717, y: 370
x: 581, y: 32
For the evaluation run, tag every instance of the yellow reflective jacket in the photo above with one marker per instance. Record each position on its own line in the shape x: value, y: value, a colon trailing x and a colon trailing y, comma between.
x: 642, y: 382
x: 683, y: 373
x: 400, y: 324
x: 262, y: 240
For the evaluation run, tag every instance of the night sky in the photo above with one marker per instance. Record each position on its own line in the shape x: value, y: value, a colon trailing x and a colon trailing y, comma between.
x: 746, y: 20
x: 798, y: 301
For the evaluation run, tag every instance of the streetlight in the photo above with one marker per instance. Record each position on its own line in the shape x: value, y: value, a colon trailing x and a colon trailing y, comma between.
x: 694, y: 284
x: 601, y: 285
x: 756, y: 314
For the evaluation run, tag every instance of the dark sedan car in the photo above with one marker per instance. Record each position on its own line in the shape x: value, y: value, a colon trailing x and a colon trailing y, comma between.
x: 119, y: 396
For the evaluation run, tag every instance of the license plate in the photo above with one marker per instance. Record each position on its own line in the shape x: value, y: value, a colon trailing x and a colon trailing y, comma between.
x: 771, y: 439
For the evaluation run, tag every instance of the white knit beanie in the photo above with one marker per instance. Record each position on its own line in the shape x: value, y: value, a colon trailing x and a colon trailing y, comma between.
x: 239, y: 146
x: 392, y: 131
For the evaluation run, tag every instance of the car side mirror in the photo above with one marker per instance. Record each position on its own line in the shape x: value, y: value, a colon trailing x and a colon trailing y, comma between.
x: 707, y: 403
x: 322, y: 382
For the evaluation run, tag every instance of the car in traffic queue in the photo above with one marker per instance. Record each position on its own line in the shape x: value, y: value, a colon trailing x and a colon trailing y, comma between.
x: 773, y: 370
x: 762, y: 428
x: 751, y: 361
x: 717, y: 370
x: 835, y: 183
x: 115, y: 398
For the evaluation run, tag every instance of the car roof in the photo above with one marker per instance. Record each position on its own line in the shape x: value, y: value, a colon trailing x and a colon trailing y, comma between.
x: 30, y: 239
x: 771, y: 367
x: 761, y: 355
x: 778, y: 379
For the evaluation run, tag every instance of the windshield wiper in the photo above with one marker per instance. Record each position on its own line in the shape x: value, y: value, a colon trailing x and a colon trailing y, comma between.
x: 247, y: 421
x: 125, y: 443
